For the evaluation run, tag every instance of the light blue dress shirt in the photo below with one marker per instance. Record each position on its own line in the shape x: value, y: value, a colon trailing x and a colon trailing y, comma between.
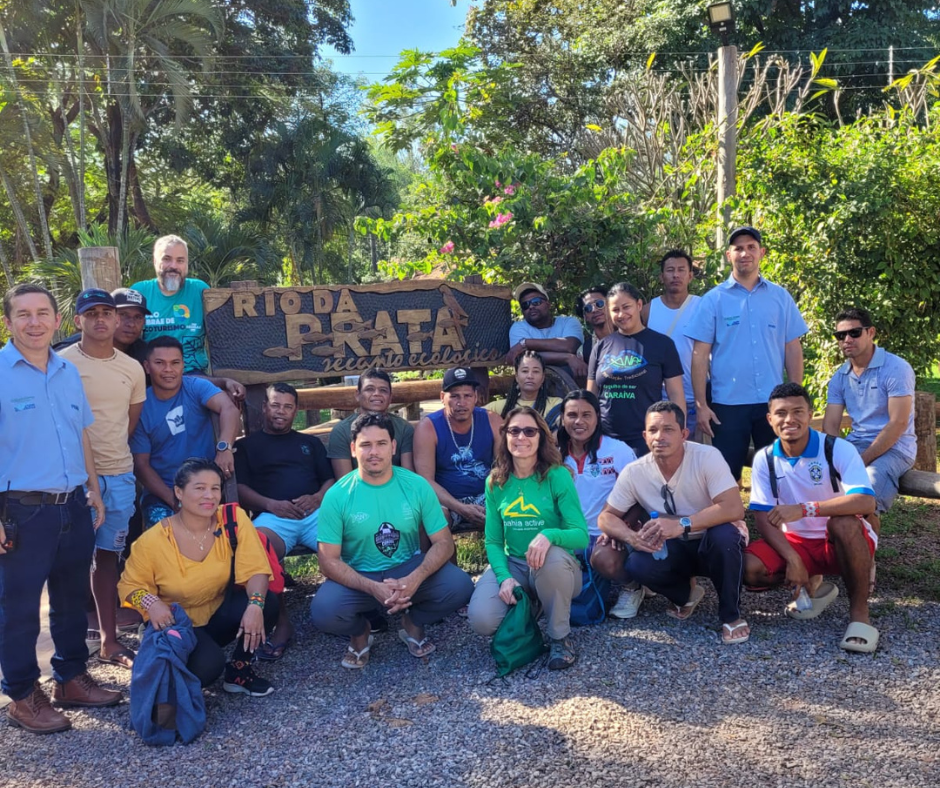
x: 748, y: 331
x: 42, y: 417
x: 865, y: 398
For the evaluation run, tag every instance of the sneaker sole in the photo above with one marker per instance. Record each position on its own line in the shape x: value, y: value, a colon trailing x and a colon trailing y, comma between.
x: 236, y: 689
x: 623, y: 616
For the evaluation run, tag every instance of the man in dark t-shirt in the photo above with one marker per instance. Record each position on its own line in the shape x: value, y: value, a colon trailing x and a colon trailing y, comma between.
x: 282, y: 478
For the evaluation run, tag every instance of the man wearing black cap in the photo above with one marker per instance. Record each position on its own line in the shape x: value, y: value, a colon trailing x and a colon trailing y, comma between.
x: 114, y: 386
x: 556, y: 339
x: 131, y: 311
x: 453, y: 449
x: 750, y: 329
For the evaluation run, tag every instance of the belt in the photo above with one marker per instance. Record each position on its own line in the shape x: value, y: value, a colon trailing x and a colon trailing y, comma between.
x: 41, y: 498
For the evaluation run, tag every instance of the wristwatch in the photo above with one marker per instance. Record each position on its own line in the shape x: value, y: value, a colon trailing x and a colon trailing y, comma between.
x: 222, y: 446
x: 686, y: 524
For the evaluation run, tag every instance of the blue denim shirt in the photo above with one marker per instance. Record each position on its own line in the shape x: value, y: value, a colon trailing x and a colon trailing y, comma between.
x: 42, y: 418
x: 748, y: 331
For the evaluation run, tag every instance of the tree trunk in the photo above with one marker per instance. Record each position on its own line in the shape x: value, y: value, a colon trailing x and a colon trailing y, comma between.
x: 110, y: 138
x: 18, y: 214
x: 141, y: 212
x: 81, y: 115
x: 7, y: 270
x: 374, y: 249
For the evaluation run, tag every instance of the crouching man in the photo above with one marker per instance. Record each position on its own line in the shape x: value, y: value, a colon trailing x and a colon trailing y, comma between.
x: 369, y: 528
x: 810, y: 494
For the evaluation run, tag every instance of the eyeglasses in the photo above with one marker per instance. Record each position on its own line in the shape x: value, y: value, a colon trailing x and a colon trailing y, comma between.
x: 594, y: 306
x: 855, y: 333
x: 669, y: 501
x: 529, y: 432
x: 537, y: 301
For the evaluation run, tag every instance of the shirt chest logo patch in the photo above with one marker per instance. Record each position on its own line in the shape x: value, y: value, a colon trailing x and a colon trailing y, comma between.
x: 304, y: 449
x: 624, y: 363
x: 734, y: 320
x: 175, y: 420
x: 24, y: 403
x: 519, y: 508
x: 816, y: 472
x: 387, y: 539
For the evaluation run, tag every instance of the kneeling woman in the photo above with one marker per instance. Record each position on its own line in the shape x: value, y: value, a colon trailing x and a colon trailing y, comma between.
x: 534, y: 523
x: 187, y: 559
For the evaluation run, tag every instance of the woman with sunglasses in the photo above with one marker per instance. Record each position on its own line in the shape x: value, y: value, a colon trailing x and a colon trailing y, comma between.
x: 529, y: 388
x: 534, y: 523
x: 629, y: 368
x: 187, y: 559
x: 592, y: 309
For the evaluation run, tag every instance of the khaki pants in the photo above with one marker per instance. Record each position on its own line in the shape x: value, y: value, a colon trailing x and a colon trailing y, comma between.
x: 554, y: 585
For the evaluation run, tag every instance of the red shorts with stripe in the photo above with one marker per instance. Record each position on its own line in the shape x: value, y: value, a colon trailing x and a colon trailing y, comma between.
x: 818, y: 555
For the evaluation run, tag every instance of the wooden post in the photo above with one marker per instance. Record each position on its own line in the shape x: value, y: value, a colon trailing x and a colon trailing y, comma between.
x: 727, y: 134
x: 100, y: 267
x: 925, y: 427
x: 251, y: 410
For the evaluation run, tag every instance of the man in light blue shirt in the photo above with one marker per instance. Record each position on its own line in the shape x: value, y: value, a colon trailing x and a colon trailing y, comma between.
x: 877, y: 390
x: 750, y: 329
x: 47, y: 534
x: 555, y: 339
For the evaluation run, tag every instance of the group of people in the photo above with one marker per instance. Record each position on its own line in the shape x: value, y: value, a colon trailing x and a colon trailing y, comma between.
x: 609, y: 475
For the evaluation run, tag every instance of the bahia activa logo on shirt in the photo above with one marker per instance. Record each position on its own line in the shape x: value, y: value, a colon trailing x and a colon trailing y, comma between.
x: 519, y: 509
x: 175, y: 421
x: 387, y: 539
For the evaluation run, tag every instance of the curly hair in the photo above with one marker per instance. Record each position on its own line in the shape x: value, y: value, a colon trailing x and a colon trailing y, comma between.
x: 541, y: 399
x: 547, y: 458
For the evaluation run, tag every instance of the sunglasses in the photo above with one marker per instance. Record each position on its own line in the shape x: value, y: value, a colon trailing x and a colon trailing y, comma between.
x: 537, y: 301
x: 529, y: 432
x: 594, y: 306
x: 669, y: 501
x: 855, y: 333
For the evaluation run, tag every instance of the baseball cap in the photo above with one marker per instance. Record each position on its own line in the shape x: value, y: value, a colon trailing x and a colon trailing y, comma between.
x: 459, y: 376
x: 525, y: 287
x: 125, y: 297
x: 92, y: 297
x: 745, y: 230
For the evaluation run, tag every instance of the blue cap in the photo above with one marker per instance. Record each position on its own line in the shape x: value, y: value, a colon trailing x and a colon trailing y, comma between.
x: 745, y: 230
x: 92, y: 297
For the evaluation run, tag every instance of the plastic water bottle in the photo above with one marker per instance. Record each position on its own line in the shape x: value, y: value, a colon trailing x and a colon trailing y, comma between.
x: 663, y: 551
x: 803, y: 601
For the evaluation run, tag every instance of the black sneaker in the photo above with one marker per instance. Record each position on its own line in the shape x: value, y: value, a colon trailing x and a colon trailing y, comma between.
x: 562, y: 654
x: 241, y: 677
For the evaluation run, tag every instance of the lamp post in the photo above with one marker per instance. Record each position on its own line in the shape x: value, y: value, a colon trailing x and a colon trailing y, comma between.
x: 721, y: 22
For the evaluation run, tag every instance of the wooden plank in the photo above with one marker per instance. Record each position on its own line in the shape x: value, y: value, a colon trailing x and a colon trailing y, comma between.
x: 925, y: 428
x: 403, y: 393
x: 920, y: 484
x: 100, y: 267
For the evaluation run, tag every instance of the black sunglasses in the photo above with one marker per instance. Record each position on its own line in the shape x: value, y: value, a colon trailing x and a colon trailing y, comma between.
x: 529, y: 432
x: 855, y: 333
x: 669, y: 501
x: 537, y: 301
x: 594, y: 305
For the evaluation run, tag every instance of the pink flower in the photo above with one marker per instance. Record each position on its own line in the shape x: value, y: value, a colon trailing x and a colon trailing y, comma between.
x: 493, y: 201
x: 499, y: 185
x: 447, y: 248
x: 453, y: 147
x: 500, y: 220
x: 510, y: 190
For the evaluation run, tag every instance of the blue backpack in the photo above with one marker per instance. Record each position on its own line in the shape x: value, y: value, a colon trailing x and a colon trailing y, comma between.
x: 590, y: 605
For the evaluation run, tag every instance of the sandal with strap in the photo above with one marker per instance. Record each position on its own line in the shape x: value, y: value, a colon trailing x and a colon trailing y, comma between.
x: 355, y: 660
x: 417, y: 648
x: 729, y: 638
x: 683, y: 612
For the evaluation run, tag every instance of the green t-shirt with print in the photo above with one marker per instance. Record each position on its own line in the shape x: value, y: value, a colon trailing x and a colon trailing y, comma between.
x: 180, y: 315
x: 377, y: 525
x: 522, y: 509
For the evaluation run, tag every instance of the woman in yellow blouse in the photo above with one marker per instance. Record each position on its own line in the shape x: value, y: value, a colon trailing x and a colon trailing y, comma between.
x: 187, y: 559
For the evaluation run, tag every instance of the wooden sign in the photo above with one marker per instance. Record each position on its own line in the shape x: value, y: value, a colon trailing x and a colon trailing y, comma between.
x: 267, y: 334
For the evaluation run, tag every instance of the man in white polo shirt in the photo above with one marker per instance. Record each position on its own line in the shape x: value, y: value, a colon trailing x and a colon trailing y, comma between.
x: 810, y: 494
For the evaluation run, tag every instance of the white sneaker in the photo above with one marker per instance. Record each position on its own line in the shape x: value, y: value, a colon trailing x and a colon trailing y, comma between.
x: 628, y: 603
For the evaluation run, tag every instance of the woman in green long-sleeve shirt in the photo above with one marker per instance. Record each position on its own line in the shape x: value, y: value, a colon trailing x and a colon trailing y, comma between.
x: 534, y: 523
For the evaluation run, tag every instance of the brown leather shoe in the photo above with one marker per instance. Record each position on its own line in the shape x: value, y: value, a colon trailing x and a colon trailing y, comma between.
x: 83, y: 691
x: 34, y: 714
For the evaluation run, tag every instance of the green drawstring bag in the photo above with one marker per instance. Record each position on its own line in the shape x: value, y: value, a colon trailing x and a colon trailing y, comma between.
x: 518, y: 641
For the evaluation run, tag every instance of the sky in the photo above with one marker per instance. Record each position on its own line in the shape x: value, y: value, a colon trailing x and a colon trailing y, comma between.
x: 383, y: 28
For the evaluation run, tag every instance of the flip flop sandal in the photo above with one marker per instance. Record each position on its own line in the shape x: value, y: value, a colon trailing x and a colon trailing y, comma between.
x: 859, y: 631
x: 417, y: 648
x: 727, y: 635
x: 272, y: 652
x: 123, y: 659
x: 825, y: 595
x: 684, y: 612
x: 356, y: 660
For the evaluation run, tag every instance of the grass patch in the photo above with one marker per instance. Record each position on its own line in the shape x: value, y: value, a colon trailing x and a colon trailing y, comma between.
x: 302, y: 567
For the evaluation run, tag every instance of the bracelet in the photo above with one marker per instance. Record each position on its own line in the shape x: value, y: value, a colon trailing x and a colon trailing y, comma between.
x: 810, y: 509
x: 256, y: 599
x: 143, y: 599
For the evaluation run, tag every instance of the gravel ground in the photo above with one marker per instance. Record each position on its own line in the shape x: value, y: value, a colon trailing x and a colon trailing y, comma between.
x: 651, y: 702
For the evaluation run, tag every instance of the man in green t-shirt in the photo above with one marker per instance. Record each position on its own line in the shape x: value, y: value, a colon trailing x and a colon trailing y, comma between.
x: 369, y: 549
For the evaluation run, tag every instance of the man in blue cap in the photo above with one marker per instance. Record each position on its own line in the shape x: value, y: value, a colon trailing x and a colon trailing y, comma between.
x: 747, y: 330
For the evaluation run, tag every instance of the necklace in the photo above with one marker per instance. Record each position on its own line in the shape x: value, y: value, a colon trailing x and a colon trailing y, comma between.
x: 454, y: 437
x: 202, y: 542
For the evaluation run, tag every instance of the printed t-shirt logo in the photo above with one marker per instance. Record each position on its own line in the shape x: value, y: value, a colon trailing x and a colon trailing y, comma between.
x: 175, y: 421
x: 519, y: 508
x: 387, y: 539
x: 626, y: 362
x: 816, y: 472
x: 304, y: 449
x: 181, y: 310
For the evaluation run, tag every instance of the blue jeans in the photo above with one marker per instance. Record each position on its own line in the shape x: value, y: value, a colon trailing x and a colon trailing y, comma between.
x: 719, y: 555
x: 55, y: 545
x: 739, y: 424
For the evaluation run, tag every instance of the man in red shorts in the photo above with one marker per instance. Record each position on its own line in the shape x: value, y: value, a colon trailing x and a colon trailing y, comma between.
x: 810, y: 494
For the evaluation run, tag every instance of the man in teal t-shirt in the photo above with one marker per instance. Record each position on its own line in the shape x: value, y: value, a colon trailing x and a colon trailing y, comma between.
x: 370, y: 549
x: 175, y: 302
